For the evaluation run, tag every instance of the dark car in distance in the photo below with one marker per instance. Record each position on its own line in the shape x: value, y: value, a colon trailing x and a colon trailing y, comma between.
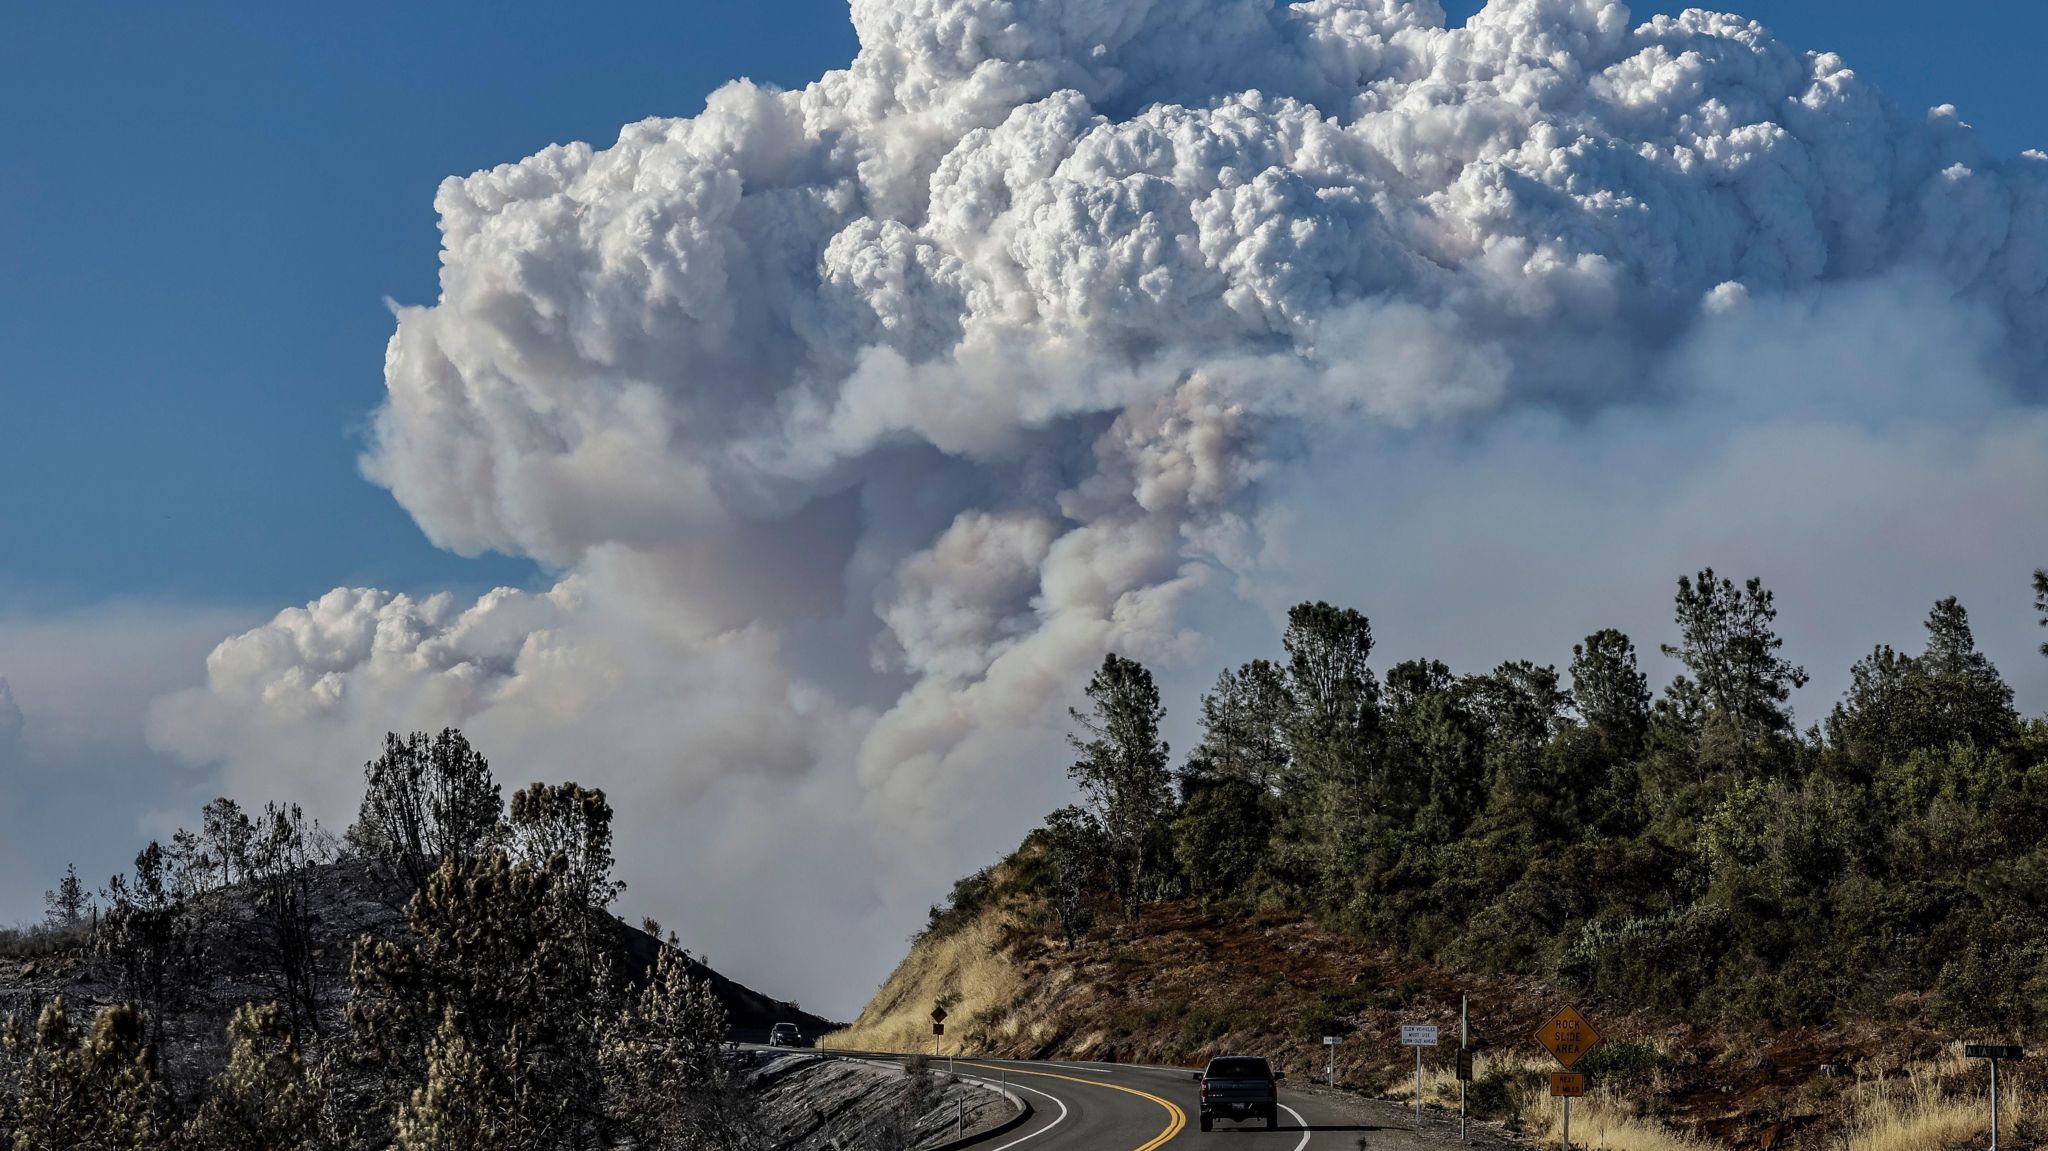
x: 785, y: 1035
x: 1239, y: 1087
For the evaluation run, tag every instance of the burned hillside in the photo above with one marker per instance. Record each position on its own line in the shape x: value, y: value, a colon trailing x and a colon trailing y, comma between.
x: 448, y: 951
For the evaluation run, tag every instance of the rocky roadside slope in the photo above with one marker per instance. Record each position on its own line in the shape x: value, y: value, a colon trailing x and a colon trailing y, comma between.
x: 825, y: 1103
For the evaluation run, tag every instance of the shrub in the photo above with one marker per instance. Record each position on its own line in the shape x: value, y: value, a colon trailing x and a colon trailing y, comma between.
x: 1621, y: 1063
x: 970, y: 894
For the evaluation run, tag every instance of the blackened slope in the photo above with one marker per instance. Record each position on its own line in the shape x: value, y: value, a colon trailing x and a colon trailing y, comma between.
x: 348, y: 902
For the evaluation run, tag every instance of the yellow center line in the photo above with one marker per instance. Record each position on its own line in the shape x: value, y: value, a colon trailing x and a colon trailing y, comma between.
x: 1176, y: 1118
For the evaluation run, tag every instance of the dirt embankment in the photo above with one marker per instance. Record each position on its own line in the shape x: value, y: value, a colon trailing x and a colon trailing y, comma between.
x: 971, y: 970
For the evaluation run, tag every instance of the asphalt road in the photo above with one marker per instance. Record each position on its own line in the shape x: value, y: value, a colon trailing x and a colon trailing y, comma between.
x: 1118, y: 1107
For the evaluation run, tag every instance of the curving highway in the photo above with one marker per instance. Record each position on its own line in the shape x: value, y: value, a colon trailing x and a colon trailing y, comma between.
x: 1119, y: 1107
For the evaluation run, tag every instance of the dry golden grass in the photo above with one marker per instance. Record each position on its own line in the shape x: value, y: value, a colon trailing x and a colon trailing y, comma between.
x: 1601, y: 1121
x: 1923, y: 1112
x: 1926, y: 1110
x: 965, y: 965
x: 1916, y: 1125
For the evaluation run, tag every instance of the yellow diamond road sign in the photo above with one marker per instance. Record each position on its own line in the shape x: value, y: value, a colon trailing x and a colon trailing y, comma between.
x: 1568, y: 1036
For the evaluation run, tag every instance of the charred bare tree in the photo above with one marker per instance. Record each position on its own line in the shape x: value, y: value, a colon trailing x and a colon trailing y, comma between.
x: 284, y: 852
x: 146, y: 942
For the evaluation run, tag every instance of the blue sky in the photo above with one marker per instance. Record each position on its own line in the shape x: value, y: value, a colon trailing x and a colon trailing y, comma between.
x: 201, y: 213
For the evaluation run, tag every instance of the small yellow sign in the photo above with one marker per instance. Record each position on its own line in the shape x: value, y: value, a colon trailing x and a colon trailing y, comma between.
x: 1567, y: 1085
x: 1568, y: 1036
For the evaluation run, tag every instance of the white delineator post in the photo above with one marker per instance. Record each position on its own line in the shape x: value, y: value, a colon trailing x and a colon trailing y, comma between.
x: 1418, y: 1086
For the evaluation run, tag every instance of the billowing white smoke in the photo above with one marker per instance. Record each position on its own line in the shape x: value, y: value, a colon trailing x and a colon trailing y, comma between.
x: 862, y: 419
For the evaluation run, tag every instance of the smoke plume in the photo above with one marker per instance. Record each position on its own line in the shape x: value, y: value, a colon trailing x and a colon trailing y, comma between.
x: 860, y: 420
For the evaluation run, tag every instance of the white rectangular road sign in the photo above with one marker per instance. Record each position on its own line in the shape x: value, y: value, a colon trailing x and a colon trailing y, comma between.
x: 1418, y: 1035
x: 1329, y: 1040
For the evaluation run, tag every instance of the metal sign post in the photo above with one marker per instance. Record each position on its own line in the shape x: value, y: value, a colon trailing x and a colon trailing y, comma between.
x: 1567, y: 1085
x: 1464, y: 1058
x: 1330, y: 1045
x: 1994, y: 1052
x: 1567, y: 1036
x: 1418, y: 1036
x: 938, y: 1026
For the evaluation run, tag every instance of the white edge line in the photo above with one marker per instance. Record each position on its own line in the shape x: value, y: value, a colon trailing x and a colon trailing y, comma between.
x: 1305, y: 1132
x: 1035, y: 1091
x: 1044, y: 1063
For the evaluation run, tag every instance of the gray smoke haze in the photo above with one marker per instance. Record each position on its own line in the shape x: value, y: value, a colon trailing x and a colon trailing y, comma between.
x: 860, y: 420
x: 11, y: 721
x: 77, y: 774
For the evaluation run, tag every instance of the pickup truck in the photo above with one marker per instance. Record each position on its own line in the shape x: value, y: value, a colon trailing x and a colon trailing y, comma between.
x: 1239, y: 1087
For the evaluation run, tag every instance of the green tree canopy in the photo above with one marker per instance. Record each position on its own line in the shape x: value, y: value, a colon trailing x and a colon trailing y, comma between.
x: 1122, y: 766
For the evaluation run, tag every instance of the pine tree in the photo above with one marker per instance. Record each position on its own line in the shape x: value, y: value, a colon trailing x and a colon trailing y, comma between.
x: 96, y: 1092
x: 1431, y: 736
x: 146, y: 939
x: 666, y: 1079
x: 2041, y: 600
x: 1244, y: 727
x: 1122, y: 769
x: 426, y: 801
x: 65, y: 908
x: 1899, y: 705
x: 1611, y: 691
x: 279, y: 865
x: 1074, y: 852
x: 1230, y: 782
x: 1966, y: 700
x: 226, y: 834
x: 1873, y: 722
x: 1727, y: 640
x: 568, y: 828
x: 190, y: 866
x: 463, y: 1105
x: 267, y: 1099
x: 498, y: 953
x: 1336, y: 794
x: 1523, y: 707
